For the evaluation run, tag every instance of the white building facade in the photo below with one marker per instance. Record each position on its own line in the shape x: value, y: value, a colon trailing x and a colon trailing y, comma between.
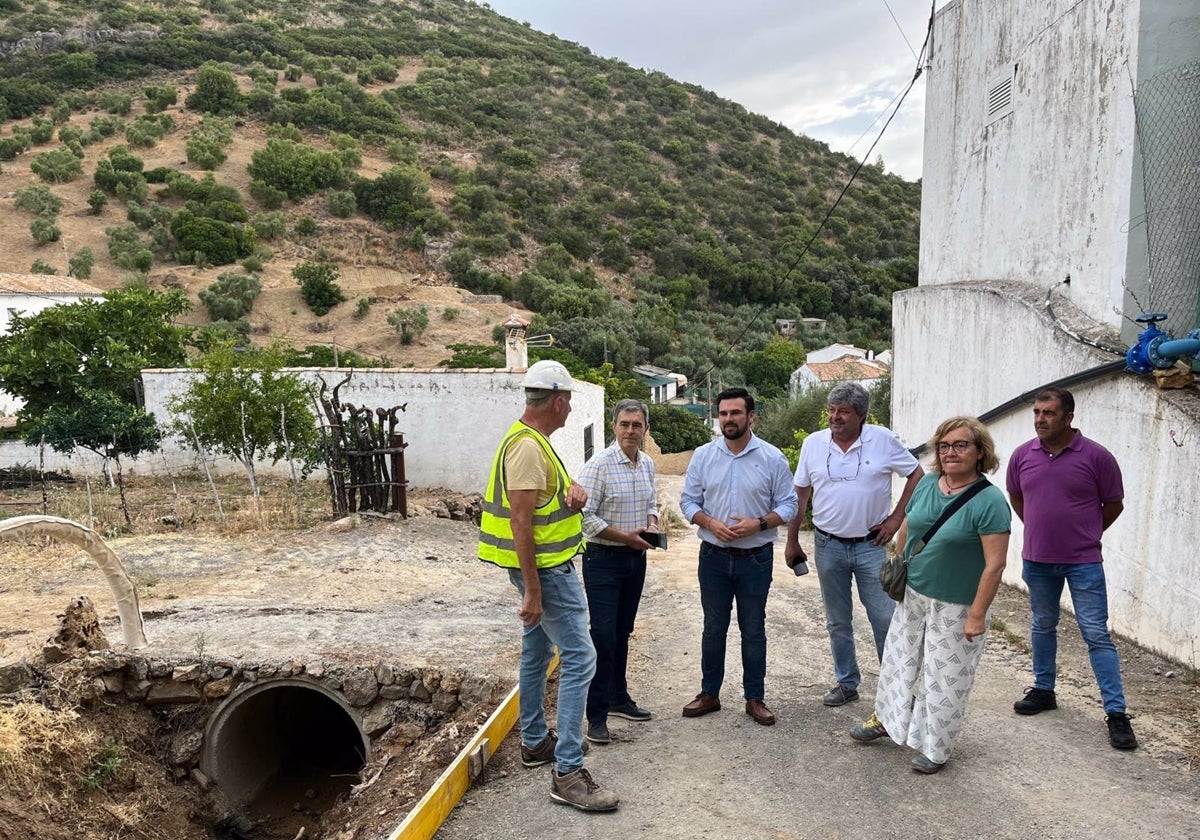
x: 1033, y: 171
x: 452, y: 424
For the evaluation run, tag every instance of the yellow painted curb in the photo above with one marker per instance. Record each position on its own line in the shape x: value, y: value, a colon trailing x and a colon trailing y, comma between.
x: 427, y: 816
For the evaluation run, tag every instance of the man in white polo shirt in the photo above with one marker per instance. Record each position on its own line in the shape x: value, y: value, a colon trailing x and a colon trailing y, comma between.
x: 848, y: 469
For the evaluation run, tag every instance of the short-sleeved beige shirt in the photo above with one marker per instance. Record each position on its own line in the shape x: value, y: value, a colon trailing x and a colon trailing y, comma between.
x: 526, y: 468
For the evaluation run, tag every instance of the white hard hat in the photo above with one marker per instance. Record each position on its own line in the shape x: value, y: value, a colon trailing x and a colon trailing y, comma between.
x: 548, y: 375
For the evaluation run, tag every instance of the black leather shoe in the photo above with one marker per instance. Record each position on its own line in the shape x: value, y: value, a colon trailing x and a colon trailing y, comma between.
x: 630, y: 711
x: 702, y: 705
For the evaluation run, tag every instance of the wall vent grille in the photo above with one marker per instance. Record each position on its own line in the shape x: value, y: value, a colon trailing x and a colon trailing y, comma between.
x: 999, y: 97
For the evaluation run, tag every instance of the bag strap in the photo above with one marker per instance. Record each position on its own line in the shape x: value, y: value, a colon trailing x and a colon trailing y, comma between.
x: 960, y: 500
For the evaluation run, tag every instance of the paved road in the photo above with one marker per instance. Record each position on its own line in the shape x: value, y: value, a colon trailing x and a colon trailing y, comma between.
x: 722, y: 776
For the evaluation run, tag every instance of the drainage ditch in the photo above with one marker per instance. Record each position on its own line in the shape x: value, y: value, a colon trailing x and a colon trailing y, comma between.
x: 269, y: 750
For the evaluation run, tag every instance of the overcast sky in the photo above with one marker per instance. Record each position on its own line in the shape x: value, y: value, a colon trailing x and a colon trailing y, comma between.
x: 823, y: 68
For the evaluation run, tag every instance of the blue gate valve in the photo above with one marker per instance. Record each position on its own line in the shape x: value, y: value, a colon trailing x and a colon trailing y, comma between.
x: 1156, y: 350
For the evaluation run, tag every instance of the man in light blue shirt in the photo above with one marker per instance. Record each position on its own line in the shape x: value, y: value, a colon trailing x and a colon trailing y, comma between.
x: 738, y: 490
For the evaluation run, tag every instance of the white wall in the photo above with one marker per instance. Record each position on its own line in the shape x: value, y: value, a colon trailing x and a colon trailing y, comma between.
x: 1007, y: 210
x: 1045, y: 191
x: 1150, y: 556
x: 453, y: 423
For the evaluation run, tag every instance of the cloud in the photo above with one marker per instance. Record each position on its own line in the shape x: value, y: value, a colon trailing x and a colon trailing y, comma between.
x: 824, y: 69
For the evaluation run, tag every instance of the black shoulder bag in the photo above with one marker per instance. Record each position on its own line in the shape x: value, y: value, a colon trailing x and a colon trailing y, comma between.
x: 893, y: 576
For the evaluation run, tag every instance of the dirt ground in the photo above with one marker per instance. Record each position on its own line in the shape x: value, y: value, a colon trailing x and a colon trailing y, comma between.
x: 413, y: 592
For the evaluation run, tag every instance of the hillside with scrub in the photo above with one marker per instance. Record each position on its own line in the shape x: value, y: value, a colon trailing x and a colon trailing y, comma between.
x: 354, y: 175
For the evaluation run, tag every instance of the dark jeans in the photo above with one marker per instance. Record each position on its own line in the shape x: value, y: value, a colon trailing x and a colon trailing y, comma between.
x: 726, y: 577
x: 613, y: 577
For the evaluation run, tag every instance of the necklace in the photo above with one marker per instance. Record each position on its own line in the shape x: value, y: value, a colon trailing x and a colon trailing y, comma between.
x: 950, y: 488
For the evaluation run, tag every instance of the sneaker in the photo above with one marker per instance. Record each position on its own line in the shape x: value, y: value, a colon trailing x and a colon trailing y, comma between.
x: 1035, y: 700
x: 868, y: 730
x: 597, y: 732
x: 630, y: 711
x: 839, y: 695
x: 543, y: 753
x: 579, y: 790
x: 923, y: 765
x: 1120, y: 733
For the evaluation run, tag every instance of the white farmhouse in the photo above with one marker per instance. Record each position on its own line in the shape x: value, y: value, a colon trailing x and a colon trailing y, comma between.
x: 1060, y: 142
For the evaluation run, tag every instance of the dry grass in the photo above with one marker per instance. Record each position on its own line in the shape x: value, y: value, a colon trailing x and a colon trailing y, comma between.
x: 44, y: 752
x: 160, y: 505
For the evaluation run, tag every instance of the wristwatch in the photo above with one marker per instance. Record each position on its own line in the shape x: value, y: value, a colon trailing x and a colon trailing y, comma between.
x: 762, y: 523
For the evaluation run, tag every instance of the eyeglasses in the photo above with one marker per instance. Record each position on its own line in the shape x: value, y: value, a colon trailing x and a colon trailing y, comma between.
x: 842, y: 468
x: 959, y: 446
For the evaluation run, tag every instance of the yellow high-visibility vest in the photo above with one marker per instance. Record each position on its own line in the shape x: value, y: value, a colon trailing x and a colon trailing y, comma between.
x: 557, y: 530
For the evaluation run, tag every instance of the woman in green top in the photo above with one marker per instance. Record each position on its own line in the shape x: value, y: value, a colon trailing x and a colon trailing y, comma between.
x: 922, y: 696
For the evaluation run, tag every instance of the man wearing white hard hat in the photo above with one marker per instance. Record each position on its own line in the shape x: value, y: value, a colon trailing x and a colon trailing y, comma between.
x: 532, y: 526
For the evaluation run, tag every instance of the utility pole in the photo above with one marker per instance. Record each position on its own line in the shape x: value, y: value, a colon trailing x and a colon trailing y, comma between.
x: 708, y: 397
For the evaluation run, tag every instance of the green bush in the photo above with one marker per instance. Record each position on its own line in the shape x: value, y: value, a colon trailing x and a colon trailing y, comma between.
x: 40, y: 267
x: 205, y: 152
x: 296, y: 169
x: 44, y: 229
x: 81, y: 264
x: 216, y: 91
x: 676, y: 429
x: 269, y: 225
x: 267, y: 195
x: 231, y: 297
x: 341, y: 203
x: 204, y: 240
x: 127, y: 249
x: 57, y: 166
x: 306, y: 226
x: 41, y: 130
x: 18, y: 144
x: 96, y: 200
x: 145, y: 131
x: 38, y: 200
x: 160, y: 97
x: 116, y: 102
x: 410, y: 322
x: 395, y: 197
x: 362, y: 307
x: 318, y: 286
x: 107, y: 126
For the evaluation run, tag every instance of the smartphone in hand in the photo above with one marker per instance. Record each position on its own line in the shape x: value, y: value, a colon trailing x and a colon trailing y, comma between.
x: 657, y: 539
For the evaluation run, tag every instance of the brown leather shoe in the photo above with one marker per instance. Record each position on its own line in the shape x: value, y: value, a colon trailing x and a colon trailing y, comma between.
x: 758, y: 710
x: 702, y: 705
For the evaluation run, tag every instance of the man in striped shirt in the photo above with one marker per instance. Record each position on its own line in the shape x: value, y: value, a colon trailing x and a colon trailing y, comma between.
x: 621, y: 503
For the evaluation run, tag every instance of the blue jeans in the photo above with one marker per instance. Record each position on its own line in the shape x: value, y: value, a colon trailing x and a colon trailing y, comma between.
x: 613, y: 577
x: 1089, y: 597
x: 724, y: 579
x: 564, y: 623
x: 838, y: 565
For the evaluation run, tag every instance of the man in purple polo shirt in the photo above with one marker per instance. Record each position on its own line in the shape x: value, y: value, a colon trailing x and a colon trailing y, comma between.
x: 1067, y: 490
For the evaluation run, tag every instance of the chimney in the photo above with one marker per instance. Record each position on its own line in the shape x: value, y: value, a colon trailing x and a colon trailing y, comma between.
x: 516, y: 353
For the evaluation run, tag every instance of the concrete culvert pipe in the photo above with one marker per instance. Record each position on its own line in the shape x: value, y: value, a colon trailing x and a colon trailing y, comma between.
x: 283, y: 742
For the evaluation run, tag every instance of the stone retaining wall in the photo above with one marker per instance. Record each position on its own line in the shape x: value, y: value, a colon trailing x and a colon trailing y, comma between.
x: 381, y: 696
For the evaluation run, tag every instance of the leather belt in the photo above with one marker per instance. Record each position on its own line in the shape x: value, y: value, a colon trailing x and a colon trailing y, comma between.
x: 736, y: 552
x: 870, y: 537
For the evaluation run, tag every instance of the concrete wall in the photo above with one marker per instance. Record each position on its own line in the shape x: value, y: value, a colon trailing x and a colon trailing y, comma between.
x: 1150, y: 557
x: 1008, y: 208
x: 454, y: 420
x: 1045, y: 191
